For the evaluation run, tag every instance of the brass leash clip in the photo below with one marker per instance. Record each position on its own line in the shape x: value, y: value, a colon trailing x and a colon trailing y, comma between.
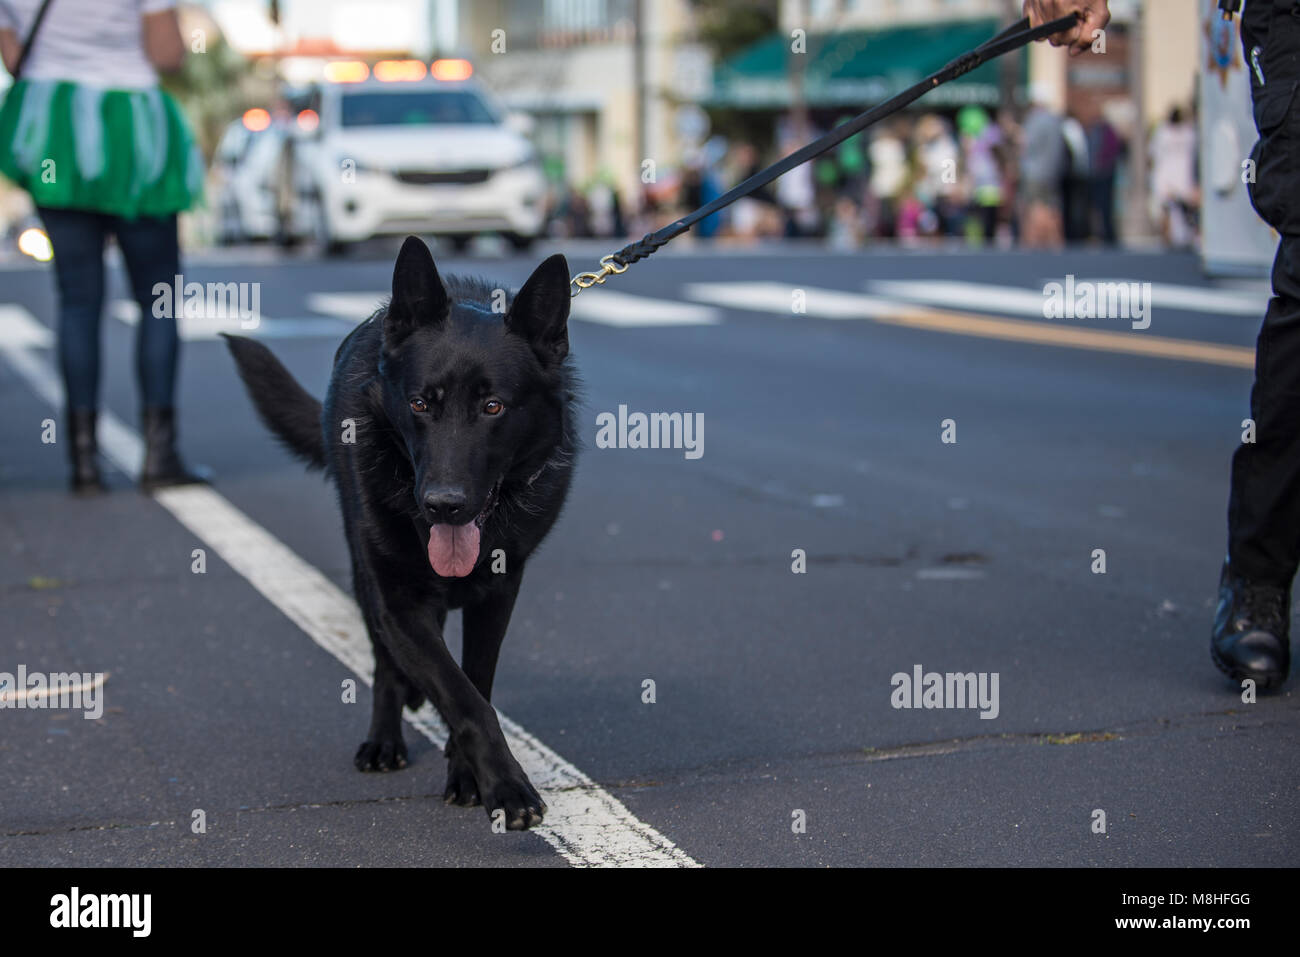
x: 585, y: 280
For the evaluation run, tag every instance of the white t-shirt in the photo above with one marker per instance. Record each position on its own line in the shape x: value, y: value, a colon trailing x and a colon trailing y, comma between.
x: 95, y: 42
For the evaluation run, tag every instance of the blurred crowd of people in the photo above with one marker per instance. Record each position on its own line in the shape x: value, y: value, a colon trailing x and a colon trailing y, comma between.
x: 1039, y: 178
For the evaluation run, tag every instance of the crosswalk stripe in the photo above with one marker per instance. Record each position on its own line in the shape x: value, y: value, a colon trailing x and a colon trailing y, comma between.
x: 207, y: 328
x: 603, y: 306
x: 353, y: 306
x: 611, y: 308
x: 20, y: 330
x: 1017, y: 300
x: 781, y: 298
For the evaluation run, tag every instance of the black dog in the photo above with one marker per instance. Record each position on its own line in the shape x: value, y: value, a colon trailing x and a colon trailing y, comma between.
x: 448, y: 429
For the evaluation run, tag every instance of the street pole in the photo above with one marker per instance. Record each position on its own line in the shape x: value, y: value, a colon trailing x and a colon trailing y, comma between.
x: 1138, y: 224
x: 640, y: 138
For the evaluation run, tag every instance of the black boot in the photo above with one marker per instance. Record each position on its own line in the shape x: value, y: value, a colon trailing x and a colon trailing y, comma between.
x: 1252, y: 631
x: 82, y: 451
x: 162, y: 464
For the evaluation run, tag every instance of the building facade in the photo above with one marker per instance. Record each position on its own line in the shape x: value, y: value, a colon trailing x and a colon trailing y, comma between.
x: 602, y: 78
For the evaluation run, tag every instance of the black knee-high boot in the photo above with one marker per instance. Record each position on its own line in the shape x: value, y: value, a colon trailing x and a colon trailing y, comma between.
x: 162, y: 463
x: 82, y: 452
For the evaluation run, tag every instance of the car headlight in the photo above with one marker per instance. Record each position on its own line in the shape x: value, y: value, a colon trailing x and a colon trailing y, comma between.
x: 529, y: 158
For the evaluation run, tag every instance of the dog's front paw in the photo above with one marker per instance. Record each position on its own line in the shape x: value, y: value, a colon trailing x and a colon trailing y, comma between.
x: 516, y: 796
x: 462, y: 789
x: 385, y: 754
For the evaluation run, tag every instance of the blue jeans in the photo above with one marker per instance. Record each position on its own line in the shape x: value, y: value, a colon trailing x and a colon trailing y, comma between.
x: 152, y: 252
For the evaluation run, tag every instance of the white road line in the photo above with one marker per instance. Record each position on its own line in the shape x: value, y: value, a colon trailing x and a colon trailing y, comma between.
x: 353, y: 306
x: 780, y: 298
x: 585, y: 824
x: 125, y: 310
x: 1017, y: 300
x: 204, y: 328
x: 1236, y: 302
x: 610, y: 308
x: 797, y: 302
x: 298, y: 327
x: 603, y: 306
x: 19, y: 330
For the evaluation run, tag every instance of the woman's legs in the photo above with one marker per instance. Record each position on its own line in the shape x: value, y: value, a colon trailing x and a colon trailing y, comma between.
x: 152, y: 253
x: 78, y: 241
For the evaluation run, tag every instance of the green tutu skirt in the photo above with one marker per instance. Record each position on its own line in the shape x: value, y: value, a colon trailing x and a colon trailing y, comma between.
x: 128, y: 153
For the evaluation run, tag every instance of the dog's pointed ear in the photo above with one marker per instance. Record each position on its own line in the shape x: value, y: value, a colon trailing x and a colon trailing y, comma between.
x: 419, y: 297
x: 540, y: 311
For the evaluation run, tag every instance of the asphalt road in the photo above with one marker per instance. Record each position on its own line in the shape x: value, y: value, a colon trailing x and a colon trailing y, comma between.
x: 773, y: 689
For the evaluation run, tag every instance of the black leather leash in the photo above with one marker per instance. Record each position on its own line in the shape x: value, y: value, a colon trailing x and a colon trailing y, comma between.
x: 1012, y: 38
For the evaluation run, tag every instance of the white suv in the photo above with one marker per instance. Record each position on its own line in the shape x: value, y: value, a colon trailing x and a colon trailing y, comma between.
x: 434, y: 156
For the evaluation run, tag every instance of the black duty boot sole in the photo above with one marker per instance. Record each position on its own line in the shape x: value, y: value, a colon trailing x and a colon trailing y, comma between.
x: 1264, y: 681
x: 1250, y: 638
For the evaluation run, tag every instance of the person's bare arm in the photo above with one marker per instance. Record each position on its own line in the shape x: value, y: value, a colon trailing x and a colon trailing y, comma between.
x: 9, y: 49
x: 1095, y: 16
x: 162, y: 40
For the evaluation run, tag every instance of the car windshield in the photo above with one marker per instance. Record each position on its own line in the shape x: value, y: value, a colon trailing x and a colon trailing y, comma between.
x: 384, y: 108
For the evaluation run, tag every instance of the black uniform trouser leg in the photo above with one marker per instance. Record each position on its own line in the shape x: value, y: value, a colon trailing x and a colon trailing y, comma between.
x: 1264, y: 505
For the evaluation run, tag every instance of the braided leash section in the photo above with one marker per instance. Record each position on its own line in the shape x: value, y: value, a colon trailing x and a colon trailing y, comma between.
x: 616, y: 263
x: 649, y: 243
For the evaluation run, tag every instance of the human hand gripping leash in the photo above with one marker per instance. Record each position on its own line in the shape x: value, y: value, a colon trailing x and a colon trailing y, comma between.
x: 1012, y: 38
x: 1229, y: 8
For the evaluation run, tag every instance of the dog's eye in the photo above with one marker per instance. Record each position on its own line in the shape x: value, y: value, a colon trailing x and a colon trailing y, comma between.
x: 418, y: 405
x: 493, y: 407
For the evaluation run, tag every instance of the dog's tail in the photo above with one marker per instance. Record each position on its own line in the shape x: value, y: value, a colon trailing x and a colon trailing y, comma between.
x: 285, y: 407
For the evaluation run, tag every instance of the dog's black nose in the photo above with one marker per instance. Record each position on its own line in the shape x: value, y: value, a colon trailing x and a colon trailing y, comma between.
x: 445, y: 504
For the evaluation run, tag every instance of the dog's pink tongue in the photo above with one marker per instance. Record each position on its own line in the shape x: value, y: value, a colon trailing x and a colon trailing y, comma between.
x: 453, y: 549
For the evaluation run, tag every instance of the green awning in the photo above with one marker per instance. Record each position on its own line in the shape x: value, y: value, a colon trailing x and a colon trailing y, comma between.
x: 862, y: 67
